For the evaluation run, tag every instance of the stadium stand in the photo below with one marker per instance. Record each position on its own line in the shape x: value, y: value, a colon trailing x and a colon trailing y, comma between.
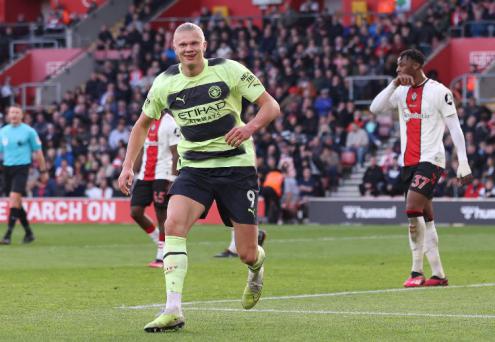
x: 303, y: 61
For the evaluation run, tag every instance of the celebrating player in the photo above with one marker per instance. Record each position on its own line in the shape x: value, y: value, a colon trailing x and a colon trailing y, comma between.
x: 18, y: 141
x: 217, y: 159
x: 425, y: 107
x: 157, y: 172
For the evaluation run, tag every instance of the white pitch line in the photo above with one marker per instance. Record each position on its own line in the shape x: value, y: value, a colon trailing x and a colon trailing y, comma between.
x: 209, y: 243
x: 354, y: 313
x: 329, y: 238
x: 316, y: 295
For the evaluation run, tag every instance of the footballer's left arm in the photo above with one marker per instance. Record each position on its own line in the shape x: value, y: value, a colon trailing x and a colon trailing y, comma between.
x: 269, y: 110
x: 463, y: 170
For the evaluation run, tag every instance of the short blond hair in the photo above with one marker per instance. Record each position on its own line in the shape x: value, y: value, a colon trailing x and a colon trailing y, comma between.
x: 190, y: 27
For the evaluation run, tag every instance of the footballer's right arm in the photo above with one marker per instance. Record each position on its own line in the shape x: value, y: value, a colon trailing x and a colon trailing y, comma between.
x: 136, y: 142
x: 381, y: 103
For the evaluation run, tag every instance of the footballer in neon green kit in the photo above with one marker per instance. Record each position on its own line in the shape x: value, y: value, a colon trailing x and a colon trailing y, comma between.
x: 217, y: 160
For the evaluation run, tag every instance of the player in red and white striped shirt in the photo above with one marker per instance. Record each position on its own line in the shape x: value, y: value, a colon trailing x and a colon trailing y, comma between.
x: 425, y: 108
x: 157, y: 172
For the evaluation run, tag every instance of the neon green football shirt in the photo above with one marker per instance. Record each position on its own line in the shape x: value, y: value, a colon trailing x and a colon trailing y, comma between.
x: 206, y: 107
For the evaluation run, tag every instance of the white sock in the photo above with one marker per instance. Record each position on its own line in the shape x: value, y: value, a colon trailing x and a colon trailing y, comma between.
x: 416, y: 241
x: 154, y: 235
x: 431, y: 250
x: 159, y: 250
x: 232, y: 246
x: 174, y: 301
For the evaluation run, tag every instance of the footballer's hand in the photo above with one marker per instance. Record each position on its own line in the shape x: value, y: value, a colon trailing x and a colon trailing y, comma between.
x: 238, y: 135
x: 125, y: 180
x: 404, y: 80
x: 464, y: 172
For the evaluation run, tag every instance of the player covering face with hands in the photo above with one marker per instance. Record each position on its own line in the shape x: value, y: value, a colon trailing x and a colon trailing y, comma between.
x: 216, y: 160
x: 425, y: 107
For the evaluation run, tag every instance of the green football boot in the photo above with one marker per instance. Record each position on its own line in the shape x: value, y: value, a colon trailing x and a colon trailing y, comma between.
x: 252, y: 291
x: 166, y: 322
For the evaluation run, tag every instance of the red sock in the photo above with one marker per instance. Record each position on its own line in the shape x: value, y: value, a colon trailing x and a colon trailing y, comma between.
x: 150, y: 229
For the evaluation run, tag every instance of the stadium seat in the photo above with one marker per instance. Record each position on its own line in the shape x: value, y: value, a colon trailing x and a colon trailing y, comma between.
x: 347, y: 160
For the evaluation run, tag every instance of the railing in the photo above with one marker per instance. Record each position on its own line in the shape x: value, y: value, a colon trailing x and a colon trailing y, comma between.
x: 362, y: 89
x: 37, y: 94
x: 32, y: 43
x: 483, y: 87
x: 480, y: 28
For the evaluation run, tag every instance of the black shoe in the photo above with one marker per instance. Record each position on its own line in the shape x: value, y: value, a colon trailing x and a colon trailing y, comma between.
x: 261, y: 237
x: 226, y: 254
x: 5, y: 241
x: 28, y: 238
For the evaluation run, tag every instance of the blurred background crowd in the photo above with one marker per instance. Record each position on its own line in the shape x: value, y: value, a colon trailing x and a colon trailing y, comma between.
x: 303, y: 61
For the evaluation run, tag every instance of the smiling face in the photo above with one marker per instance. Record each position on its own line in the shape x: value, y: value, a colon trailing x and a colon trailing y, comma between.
x: 190, y: 46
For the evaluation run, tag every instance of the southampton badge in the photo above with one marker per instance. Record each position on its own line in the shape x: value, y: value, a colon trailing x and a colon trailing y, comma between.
x: 215, y: 92
x: 414, y: 96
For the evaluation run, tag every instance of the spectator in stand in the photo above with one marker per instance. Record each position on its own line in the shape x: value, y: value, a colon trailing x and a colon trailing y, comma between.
x: 92, y: 191
x: 307, y: 185
x: 272, y: 192
x: 323, y: 103
x: 118, y: 135
x: 357, y: 141
x: 393, y: 182
x: 373, y: 180
x: 329, y: 165
x: 488, y: 190
x: 63, y: 153
x: 290, y: 198
x: 473, y: 189
x: 387, y: 159
x: 64, y: 170
x: 6, y: 93
x: 105, y: 38
x: 106, y: 189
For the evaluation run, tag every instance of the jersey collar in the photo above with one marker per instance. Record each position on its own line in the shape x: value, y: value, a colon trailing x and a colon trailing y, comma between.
x: 421, y: 84
x: 205, y: 70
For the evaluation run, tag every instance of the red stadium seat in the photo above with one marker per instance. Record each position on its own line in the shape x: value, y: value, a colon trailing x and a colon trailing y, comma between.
x: 348, y: 158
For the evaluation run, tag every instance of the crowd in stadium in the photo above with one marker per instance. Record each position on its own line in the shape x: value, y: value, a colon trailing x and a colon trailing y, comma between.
x: 303, y: 62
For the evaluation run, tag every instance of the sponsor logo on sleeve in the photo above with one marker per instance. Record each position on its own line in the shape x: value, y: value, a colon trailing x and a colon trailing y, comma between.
x: 250, y: 79
x: 448, y: 99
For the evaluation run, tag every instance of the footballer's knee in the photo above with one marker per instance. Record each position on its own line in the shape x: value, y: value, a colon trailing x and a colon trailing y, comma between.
x: 248, y: 255
x: 137, y: 213
x: 174, y: 226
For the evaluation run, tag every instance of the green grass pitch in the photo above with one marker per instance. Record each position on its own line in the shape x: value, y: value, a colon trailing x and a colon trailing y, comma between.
x: 323, y: 283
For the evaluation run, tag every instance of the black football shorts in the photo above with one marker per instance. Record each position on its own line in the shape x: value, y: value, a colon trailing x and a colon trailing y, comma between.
x: 421, y: 178
x: 235, y: 189
x: 15, y: 179
x: 145, y: 192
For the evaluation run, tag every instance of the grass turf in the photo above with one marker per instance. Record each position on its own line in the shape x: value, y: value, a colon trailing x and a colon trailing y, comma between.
x: 77, y: 282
